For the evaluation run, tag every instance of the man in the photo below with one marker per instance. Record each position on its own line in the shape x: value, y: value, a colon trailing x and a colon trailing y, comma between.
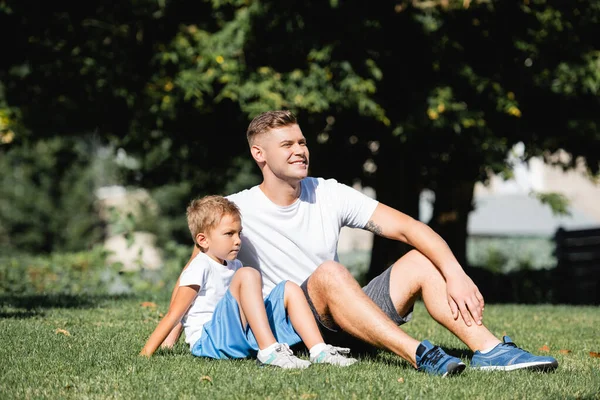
x: 291, y: 225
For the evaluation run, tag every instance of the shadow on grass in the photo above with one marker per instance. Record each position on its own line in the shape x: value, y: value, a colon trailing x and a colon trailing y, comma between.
x: 464, y: 354
x: 390, y: 358
x: 21, y: 306
x: 179, y: 350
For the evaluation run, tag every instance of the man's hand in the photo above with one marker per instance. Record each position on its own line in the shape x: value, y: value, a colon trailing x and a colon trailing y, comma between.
x: 464, y: 298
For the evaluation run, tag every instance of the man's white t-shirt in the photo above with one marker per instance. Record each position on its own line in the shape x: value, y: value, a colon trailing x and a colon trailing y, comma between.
x: 214, y: 280
x: 289, y: 243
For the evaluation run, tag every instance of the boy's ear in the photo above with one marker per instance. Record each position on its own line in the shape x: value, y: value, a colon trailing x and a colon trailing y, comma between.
x: 201, y: 240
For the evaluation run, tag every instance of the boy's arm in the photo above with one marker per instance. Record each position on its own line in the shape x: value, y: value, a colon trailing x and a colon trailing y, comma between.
x: 175, y: 333
x: 173, y: 336
x: 463, y: 295
x: 178, y: 307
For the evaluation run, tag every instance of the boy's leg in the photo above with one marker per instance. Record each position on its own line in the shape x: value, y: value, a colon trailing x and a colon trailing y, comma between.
x: 301, y: 315
x: 292, y: 320
x: 246, y: 288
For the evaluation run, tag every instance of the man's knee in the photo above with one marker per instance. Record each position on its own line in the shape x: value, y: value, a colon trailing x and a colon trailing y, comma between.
x: 331, y: 272
x: 326, y: 281
x: 409, y: 275
x: 411, y: 259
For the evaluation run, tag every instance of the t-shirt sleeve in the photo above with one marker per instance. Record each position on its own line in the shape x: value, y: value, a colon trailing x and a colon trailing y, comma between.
x: 237, y: 264
x: 355, y: 207
x: 195, y: 274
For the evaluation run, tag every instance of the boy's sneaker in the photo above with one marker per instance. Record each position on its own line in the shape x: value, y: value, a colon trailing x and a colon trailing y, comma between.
x: 333, y: 355
x: 433, y: 360
x: 507, y: 356
x: 283, y: 357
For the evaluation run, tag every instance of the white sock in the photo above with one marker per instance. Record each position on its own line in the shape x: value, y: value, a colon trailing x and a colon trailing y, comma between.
x: 316, y: 349
x: 267, y: 350
x: 487, y: 350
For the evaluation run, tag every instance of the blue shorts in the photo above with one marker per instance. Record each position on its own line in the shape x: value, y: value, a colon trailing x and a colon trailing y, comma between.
x: 223, y: 337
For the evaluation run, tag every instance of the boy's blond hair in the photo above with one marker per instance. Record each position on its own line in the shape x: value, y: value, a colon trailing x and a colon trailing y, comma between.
x: 205, y: 213
x: 267, y: 121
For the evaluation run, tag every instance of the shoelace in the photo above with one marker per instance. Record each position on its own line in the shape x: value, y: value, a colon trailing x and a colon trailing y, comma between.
x: 338, y: 350
x: 285, y: 349
x: 511, y: 344
x: 433, y: 356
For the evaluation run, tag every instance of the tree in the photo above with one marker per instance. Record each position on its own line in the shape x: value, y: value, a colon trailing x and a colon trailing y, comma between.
x: 410, y: 95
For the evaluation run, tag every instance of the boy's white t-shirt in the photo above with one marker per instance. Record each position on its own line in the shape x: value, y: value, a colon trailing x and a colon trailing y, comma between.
x: 214, y: 280
x: 289, y: 243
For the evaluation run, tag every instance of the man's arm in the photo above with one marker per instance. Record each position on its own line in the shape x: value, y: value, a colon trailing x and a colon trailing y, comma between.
x: 463, y: 295
x: 175, y: 333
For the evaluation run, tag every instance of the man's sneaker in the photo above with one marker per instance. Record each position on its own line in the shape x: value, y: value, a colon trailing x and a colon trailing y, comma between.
x: 333, y: 355
x: 433, y: 360
x: 283, y: 357
x: 507, y: 356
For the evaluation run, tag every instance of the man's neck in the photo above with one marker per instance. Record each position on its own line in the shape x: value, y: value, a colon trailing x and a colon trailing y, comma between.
x: 280, y: 192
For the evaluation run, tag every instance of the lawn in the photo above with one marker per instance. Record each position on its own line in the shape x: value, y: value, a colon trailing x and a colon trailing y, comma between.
x: 75, y: 347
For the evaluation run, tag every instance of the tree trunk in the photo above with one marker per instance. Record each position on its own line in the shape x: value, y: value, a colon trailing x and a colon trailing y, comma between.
x: 453, y: 203
x: 398, y: 188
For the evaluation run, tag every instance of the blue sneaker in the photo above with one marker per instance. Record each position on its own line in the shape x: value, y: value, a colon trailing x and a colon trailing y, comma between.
x: 507, y: 357
x: 433, y: 360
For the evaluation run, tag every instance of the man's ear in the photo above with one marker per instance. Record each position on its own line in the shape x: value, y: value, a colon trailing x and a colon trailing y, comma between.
x: 202, y: 241
x: 257, y: 153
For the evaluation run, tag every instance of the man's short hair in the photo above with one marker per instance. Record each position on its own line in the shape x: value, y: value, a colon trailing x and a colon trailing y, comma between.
x: 267, y: 121
x: 205, y: 213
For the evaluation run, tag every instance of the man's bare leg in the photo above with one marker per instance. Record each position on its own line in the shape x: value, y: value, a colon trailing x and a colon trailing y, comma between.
x: 414, y: 275
x: 333, y: 289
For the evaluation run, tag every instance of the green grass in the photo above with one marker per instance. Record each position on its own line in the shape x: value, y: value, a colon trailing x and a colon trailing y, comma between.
x: 98, y: 359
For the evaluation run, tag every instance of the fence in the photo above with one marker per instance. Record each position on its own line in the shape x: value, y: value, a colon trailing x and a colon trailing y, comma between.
x: 578, y: 268
x: 575, y: 280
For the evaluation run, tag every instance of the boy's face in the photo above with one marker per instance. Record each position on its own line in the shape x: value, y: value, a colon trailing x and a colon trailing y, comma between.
x: 223, y: 242
x: 284, y: 151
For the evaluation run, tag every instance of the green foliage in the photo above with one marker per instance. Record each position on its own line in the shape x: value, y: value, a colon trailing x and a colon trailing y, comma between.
x: 64, y: 273
x: 464, y: 84
x: 502, y: 255
x: 9, y: 120
x: 426, y: 93
x: 164, y: 215
x: 87, y: 273
x: 47, y: 199
x: 159, y: 281
x: 357, y: 262
x: 558, y: 202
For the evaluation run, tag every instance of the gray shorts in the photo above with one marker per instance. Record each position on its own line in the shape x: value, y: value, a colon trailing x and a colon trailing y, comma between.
x: 378, y: 290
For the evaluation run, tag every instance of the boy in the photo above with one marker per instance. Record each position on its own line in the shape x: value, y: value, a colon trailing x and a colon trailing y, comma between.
x: 220, y: 304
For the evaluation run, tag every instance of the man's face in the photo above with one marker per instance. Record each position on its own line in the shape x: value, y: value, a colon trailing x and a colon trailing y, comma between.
x: 285, y: 152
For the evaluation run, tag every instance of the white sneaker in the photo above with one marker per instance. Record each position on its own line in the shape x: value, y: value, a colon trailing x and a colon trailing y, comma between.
x: 283, y: 357
x: 334, y: 356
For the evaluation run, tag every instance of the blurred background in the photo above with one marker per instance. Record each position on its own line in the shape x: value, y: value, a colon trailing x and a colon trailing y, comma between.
x: 478, y: 117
